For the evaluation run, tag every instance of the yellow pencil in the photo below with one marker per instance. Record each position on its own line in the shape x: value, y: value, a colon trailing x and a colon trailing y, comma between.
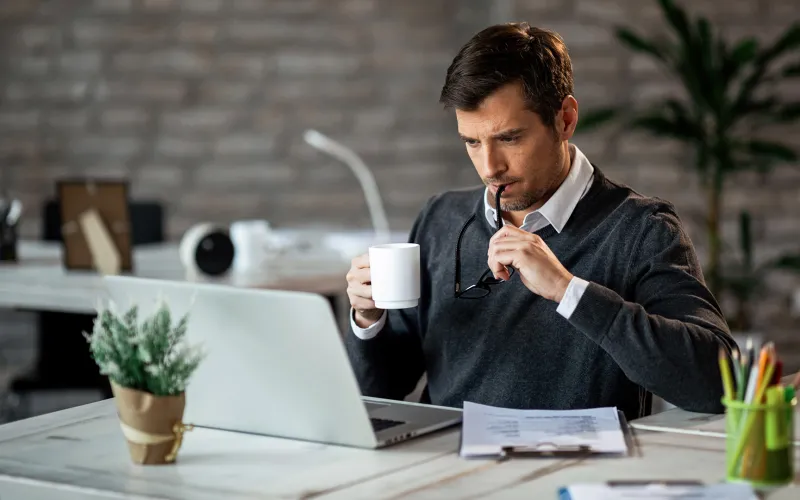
x: 727, y: 381
x: 744, y: 436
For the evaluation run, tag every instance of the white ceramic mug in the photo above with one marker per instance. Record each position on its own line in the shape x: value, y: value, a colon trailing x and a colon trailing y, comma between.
x: 394, y: 272
x: 251, y: 239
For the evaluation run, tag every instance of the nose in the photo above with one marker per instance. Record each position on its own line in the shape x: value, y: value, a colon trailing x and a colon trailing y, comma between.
x: 493, y: 163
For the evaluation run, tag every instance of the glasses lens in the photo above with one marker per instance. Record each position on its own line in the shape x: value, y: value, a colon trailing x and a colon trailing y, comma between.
x: 474, y: 292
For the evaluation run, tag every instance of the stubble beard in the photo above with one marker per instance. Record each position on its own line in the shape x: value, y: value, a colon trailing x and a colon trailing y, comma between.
x: 529, y: 198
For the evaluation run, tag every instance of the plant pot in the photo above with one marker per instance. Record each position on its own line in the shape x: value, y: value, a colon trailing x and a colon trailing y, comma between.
x: 152, y: 425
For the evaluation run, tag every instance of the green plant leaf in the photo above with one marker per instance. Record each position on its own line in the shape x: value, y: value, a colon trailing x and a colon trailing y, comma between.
x: 790, y: 40
x: 789, y: 262
x: 734, y: 62
x: 746, y: 240
x: 788, y: 112
x: 638, y: 44
x: 596, y: 118
x: 771, y: 150
x: 660, y: 125
x: 792, y: 70
x: 676, y: 17
x: 760, y: 67
x: 745, y: 51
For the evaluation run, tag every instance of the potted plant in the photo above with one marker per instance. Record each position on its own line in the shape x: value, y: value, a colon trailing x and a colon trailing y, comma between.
x: 730, y: 95
x: 148, y: 364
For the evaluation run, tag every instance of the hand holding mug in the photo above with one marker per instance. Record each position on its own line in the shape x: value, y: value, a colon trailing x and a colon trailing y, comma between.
x: 359, y: 291
x: 388, y: 277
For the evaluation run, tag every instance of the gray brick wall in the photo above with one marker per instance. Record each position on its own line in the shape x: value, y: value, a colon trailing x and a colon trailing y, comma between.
x: 202, y: 104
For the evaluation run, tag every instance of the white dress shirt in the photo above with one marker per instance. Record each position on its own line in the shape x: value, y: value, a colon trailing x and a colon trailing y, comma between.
x: 555, y: 212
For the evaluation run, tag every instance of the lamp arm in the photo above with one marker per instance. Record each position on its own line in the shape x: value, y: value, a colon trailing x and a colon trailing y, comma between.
x: 364, y: 176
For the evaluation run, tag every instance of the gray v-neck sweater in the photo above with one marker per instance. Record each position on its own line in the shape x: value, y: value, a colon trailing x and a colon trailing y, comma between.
x: 646, y: 323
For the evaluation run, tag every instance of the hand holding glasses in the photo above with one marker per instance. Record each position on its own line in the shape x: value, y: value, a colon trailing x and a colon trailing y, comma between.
x: 482, y: 287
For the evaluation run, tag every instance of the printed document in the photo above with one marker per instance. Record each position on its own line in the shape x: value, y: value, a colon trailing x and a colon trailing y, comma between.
x: 493, y: 431
x: 601, y: 491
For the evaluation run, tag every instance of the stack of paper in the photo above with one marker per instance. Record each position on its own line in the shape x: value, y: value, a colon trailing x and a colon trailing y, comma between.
x: 656, y: 491
x: 488, y: 431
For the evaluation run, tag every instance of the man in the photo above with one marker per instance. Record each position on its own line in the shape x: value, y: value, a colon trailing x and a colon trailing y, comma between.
x: 592, y: 293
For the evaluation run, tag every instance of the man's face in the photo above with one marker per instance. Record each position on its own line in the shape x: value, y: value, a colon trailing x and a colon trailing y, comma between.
x: 509, y: 145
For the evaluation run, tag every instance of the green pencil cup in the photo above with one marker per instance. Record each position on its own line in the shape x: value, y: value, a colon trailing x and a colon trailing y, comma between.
x: 759, y: 447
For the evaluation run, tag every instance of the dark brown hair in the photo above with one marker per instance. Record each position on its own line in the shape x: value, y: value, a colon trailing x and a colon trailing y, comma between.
x: 509, y: 53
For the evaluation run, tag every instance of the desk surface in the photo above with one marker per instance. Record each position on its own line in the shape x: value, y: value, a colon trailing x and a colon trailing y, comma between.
x: 38, y: 280
x: 81, y: 453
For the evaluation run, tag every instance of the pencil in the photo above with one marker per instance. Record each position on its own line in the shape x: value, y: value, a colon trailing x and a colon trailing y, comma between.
x: 748, y: 426
x: 740, y: 389
x: 737, y: 372
x: 727, y: 383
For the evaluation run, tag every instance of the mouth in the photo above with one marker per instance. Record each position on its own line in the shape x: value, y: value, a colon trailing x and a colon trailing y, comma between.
x: 494, y: 187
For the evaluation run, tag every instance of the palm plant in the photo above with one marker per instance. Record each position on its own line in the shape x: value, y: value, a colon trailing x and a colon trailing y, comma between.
x: 730, y: 94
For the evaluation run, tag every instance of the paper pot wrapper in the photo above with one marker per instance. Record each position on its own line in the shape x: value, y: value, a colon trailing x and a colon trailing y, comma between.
x: 152, y: 425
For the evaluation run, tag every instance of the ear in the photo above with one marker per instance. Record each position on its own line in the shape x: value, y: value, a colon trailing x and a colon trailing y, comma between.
x: 567, y: 118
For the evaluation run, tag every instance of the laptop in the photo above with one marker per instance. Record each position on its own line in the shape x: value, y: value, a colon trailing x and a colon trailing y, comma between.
x: 276, y: 365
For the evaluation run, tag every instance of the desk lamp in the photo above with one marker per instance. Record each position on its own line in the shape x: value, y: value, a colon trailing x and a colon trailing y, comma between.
x: 363, y: 174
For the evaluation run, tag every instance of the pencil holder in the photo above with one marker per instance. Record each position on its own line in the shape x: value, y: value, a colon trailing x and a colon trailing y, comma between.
x: 759, y: 447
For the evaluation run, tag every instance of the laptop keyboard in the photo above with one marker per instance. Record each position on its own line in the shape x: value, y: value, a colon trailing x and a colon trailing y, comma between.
x: 379, y: 424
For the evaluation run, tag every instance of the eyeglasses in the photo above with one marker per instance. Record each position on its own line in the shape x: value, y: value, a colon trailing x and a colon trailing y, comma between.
x: 482, y: 287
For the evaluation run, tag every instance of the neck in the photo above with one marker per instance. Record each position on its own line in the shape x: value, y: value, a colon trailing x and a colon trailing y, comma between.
x: 517, y: 218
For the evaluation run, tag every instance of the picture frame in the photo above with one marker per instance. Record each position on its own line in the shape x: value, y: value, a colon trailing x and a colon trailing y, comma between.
x: 109, y: 198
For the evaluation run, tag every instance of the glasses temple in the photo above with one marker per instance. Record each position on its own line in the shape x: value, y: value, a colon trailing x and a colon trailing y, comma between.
x: 497, y: 206
x: 458, y: 254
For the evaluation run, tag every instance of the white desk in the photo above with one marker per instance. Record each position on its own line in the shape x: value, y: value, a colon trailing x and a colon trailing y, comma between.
x: 80, y: 453
x: 38, y: 281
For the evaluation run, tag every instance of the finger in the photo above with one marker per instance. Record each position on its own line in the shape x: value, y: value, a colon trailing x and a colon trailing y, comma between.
x: 508, y: 245
x: 359, y: 276
x: 507, y: 233
x: 361, y: 262
x: 359, y: 290
x: 497, y: 267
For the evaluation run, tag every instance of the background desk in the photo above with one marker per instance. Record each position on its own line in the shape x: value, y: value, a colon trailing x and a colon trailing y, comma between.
x: 39, y: 282
x: 81, y: 453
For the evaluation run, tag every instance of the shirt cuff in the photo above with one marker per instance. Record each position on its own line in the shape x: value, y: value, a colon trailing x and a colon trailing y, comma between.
x: 572, y: 296
x: 368, y: 332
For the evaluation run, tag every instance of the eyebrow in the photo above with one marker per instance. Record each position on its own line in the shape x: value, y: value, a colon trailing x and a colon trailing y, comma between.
x: 504, y: 133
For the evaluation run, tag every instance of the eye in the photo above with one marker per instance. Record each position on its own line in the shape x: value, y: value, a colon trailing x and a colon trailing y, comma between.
x: 510, y: 139
x: 471, y: 142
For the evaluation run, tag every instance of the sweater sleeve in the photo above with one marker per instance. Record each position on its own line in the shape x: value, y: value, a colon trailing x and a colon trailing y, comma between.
x: 388, y: 362
x: 667, y: 338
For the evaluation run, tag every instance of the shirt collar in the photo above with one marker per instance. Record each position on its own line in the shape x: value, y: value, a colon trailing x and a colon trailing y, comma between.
x: 558, y: 209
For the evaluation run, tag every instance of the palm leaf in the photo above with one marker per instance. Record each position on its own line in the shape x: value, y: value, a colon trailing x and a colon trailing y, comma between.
x: 756, y: 107
x: 638, y: 44
x: 683, y: 118
x: 736, y: 60
x: 788, y: 41
x: 746, y: 239
x: 678, y: 20
x: 662, y: 124
x: 770, y: 150
x: 789, y: 262
x: 596, y: 118
x: 792, y: 70
x: 788, y: 112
